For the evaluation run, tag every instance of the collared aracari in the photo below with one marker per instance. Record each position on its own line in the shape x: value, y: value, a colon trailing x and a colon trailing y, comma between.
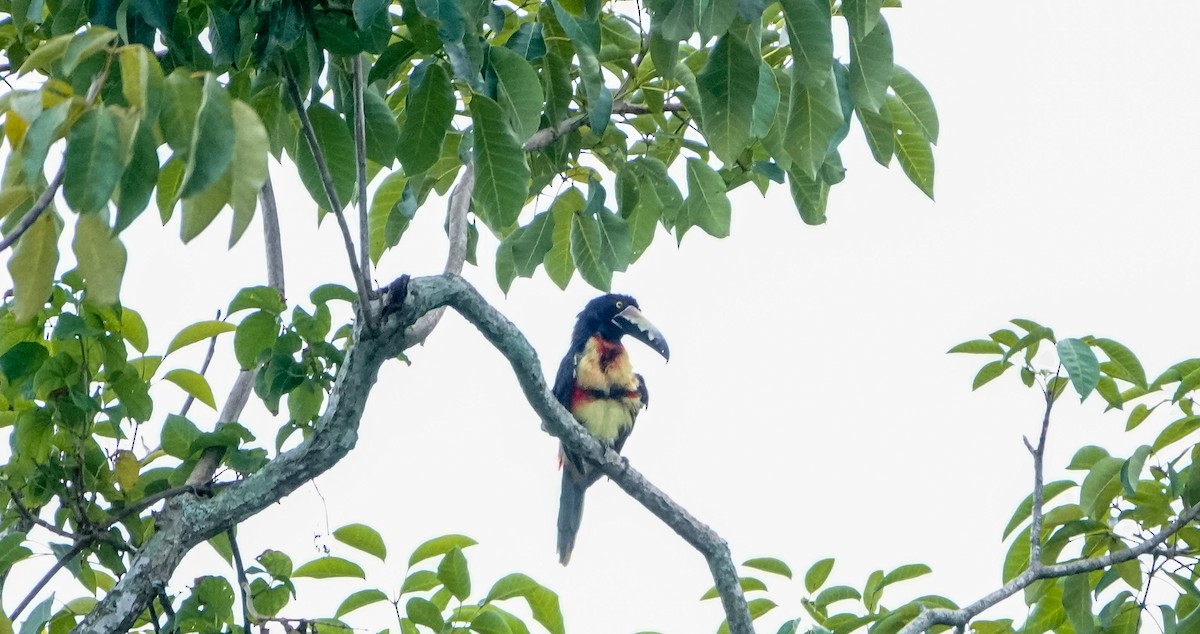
x: 597, y: 384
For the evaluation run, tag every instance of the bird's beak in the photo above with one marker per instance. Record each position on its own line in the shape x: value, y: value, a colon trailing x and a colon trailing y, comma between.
x: 634, y: 323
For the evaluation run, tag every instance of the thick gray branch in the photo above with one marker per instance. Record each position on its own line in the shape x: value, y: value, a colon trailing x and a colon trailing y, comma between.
x: 188, y: 520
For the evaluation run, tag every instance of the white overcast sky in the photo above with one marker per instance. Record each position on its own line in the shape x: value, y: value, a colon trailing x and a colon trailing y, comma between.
x: 809, y: 409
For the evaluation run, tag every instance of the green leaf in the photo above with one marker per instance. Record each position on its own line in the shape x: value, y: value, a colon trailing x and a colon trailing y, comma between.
x: 101, y: 258
x: 518, y: 91
x: 707, y: 205
x: 39, y: 616
x: 1131, y: 470
x: 533, y: 243
x: 914, y: 97
x: 276, y: 563
x: 880, y: 133
x: 386, y: 221
x: 989, y: 372
x: 1100, y: 486
x: 871, y: 67
x: 616, y: 244
x: 32, y: 267
x: 359, y: 599
x: 815, y: 117
x: 1081, y: 365
x: 454, y: 575
x: 713, y: 17
x: 1025, y: 508
x: 439, y: 546
x: 420, y: 581
x: 748, y: 584
x: 198, y: 331
x: 194, y: 384
x: 1124, y: 359
x: 728, y: 86
x: 364, y: 538
x: 337, y: 146
x: 543, y: 603
x: 977, y: 346
x: 811, y: 196
x: 257, y: 297
x: 1176, y: 431
x: 213, y: 135
x: 328, y: 292
x: 177, y: 436
x: 766, y: 102
x: 139, y: 178
x: 91, y: 174
x: 501, y: 174
x: 330, y: 567
x: 811, y: 39
x: 772, y: 565
x: 817, y: 574
x: 834, y: 594
x: 141, y: 79
x: 1077, y: 600
x: 256, y: 334
x: 247, y: 168
x: 586, y: 250
x: 1086, y: 457
x: 904, y: 573
x: 133, y: 328
x: 559, y: 263
x: 912, y: 150
x: 423, y: 612
x: 862, y: 16
x: 430, y: 111
x: 1139, y: 414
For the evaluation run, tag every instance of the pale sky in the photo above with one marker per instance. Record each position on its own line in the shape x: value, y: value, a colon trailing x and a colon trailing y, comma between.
x: 809, y: 409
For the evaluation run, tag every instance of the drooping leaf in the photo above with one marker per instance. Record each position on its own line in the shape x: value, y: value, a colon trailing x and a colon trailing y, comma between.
x: 212, y: 138
x: 871, y: 64
x: 337, y: 146
x: 194, y: 384
x: 915, y: 99
x: 707, y: 204
x: 815, y: 117
x: 430, y: 111
x: 559, y: 263
x: 913, y: 151
x: 501, y: 173
x: 248, y: 168
x: 101, y: 258
x: 518, y: 91
x: 32, y: 267
x: 91, y: 173
x: 728, y: 86
x: 454, y: 575
x: 383, y: 211
x: 811, y: 39
x: 587, y: 251
x: 1081, y: 365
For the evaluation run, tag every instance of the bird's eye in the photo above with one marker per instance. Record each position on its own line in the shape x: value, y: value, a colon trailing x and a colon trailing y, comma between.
x: 620, y: 304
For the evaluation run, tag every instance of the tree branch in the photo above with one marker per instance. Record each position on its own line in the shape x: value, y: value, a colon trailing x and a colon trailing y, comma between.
x: 456, y: 216
x: 1039, y: 453
x: 310, y: 136
x: 188, y: 520
x: 960, y: 617
x: 542, y: 139
x: 242, y: 581
x: 37, y: 587
x: 273, y: 242
x: 39, y: 207
x: 360, y: 164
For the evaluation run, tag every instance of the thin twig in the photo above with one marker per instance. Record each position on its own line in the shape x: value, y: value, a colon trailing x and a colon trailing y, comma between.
x: 360, y: 164
x: 274, y: 244
x: 243, y: 583
x: 39, y: 207
x: 37, y: 587
x: 212, y: 347
x: 1039, y: 453
x: 310, y: 136
x: 30, y: 517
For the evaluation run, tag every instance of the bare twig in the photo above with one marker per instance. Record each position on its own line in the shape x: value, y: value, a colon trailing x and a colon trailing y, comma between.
x: 456, y: 212
x: 274, y: 244
x: 212, y: 347
x: 39, y: 207
x: 542, y: 139
x: 360, y: 164
x: 1039, y: 453
x: 37, y: 587
x: 30, y: 517
x: 242, y: 581
x: 310, y: 137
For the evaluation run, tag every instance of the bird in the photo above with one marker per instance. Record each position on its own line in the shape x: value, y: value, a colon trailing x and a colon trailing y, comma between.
x: 597, y: 384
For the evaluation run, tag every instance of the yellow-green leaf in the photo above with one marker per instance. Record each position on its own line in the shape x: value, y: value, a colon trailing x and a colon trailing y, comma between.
x: 194, y: 384
x: 199, y: 331
x: 101, y: 258
x: 248, y: 168
x: 126, y: 467
x: 32, y: 267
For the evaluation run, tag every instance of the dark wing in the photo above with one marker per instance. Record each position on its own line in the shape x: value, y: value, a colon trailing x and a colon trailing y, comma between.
x: 564, y: 381
x: 644, y: 395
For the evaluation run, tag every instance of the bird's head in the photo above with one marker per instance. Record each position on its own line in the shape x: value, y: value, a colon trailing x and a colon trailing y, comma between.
x: 612, y: 316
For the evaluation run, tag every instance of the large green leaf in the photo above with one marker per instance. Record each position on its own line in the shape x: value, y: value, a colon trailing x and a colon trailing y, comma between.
x: 330, y: 567
x: 862, y: 15
x: 811, y: 39
x: 213, y: 135
x: 430, y: 111
x: 248, y: 169
x: 1100, y: 486
x: 101, y: 258
x: 382, y: 131
x: 587, y: 251
x: 913, y: 151
x: 871, y: 68
x: 916, y: 100
x: 194, y: 384
x: 880, y: 134
x: 728, y: 86
x: 1081, y: 365
x: 766, y: 102
x: 362, y: 537
x: 501, y: 173
x: 454, y: 574
x: 337, y: 146
x: 713, y: 17
x: 439, y: 546
x: 815, y: 117
x: 518, y: 91
x: 707, y: 204
x: 360, y: 599
x: 91, y: 171
x: 32, y: 267
x: 385, y: 221
x: 139, y: 178
x: 810, y: 195
x: 182, y: 96
x: 616, y: 242
x: 533, y: 243
x: 543, y: 603
x: 559, y: 263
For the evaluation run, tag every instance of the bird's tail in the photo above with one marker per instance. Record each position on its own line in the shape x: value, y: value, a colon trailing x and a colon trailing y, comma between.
x: 570, y: 513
